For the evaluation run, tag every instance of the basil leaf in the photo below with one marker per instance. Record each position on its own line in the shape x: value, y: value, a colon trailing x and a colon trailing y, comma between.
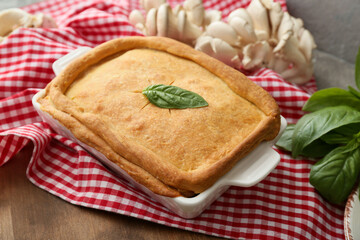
x: 285, y: 141
x: 357, y: 69
x: 316, y: 149
x: 331, y: 97
x: 354, y: 92
x: 348, y: 130
x: 335, y: 138
x: 168, y: 96
x: 335, y: 175
x: 314, y: 125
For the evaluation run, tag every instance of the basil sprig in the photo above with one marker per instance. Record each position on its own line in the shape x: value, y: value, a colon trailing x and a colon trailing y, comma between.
x: 331, y: 97
x: 335, y: 175
x: 168, y: 96
x: 330, y: 131
x: 315, y: 125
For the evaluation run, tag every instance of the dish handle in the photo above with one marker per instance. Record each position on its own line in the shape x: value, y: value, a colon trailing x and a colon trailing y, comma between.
x: 62, y: 62
x: 257, y: 165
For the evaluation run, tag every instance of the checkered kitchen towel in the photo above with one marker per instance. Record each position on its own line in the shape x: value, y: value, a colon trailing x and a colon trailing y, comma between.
x: 282, y: 206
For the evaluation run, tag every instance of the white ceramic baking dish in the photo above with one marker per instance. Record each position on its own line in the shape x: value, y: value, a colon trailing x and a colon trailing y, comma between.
x: 247, y: 172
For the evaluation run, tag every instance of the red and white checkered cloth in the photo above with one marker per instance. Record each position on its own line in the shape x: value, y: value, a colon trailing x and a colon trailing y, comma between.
x: 282, y: 206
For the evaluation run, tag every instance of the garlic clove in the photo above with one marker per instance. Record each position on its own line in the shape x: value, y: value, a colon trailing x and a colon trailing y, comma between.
x: 187, y: 31
x: 141, y: 27
x: 241, y: 13
x: 259, y: 15
x: 150, y: 24
x: 278, y: 63
x: 203, y: 44
x: 298, y: 27
x: 211, y: 16
x: 177, y: 9
x: 162, y: 18
x: 261, y: 35
x: 256, y: 55
x: 275, y: 13
x: 243, y: 29
x: 292, y: 52
x: 307, y: 44
x: 223, y: 31
x: 136, y: 17
x: 301, y: 70
x: 298, y: 75
x: 12, y: 18
x: 47, y: 21
x: 195, y: 11
x: 218, y: 49
x: 166, y: 22
x: 226, y: 53
x: 285, y: 32
x: 149, y: 4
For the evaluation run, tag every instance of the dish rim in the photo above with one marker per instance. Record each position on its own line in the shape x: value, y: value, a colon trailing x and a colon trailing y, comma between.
x: 348, y: 213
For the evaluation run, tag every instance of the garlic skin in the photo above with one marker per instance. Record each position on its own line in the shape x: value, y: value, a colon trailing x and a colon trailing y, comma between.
x: 13, y: 18
x: 261, y: 35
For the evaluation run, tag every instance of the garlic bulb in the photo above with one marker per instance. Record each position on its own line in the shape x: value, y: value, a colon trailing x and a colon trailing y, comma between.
x: 13, y: 18
x: 261, y: 35
x: 167, y: 22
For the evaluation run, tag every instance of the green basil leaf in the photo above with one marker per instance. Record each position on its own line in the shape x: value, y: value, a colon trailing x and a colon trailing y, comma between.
x: 352, y: 145
x: 285, y: 141
x: 354, y: 92
x: 314, y: 125
x: 335, y: 138
x: 316, y: 149
x: 331, y: 97
x: 168, y: 96
x: 357, y: 69
x: 335, y: 175
x: 348, y: 130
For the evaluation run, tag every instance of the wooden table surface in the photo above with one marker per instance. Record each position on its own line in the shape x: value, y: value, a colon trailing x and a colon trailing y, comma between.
x: 28, y: 212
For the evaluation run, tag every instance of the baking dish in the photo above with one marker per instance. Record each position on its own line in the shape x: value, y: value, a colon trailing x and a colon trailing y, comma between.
x: 247, y: 172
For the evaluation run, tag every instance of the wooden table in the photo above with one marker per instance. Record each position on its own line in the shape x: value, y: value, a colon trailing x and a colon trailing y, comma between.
x: 28, y: 212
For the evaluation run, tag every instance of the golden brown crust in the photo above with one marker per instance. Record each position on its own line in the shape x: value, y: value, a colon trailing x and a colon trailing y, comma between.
x: 85, y: 135
x: 162, y: 173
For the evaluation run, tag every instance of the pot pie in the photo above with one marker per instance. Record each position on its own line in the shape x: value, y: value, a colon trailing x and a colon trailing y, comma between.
x: 172, y: 152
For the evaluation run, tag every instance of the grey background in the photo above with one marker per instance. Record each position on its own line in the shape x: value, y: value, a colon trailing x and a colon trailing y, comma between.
x: 335, y: 25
